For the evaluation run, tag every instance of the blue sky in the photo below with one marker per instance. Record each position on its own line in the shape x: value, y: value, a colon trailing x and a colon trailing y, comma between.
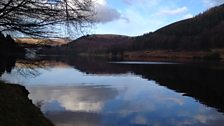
x: 135, y: 17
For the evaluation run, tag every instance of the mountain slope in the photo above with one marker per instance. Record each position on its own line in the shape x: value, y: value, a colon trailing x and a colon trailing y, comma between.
x: 91, y: 44
x: 203, y: 32
x: 100, y: 43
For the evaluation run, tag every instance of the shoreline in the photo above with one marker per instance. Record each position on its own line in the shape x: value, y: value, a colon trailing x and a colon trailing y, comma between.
x: 17, y: 109
x: 163, y: 56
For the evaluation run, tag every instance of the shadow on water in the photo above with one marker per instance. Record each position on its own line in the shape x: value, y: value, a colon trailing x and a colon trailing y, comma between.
x: 205, y: 84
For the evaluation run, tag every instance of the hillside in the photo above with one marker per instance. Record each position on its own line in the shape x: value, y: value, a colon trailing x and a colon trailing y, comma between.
x: 100, y: 43
x: 91, y: 44
x: 203, y: 32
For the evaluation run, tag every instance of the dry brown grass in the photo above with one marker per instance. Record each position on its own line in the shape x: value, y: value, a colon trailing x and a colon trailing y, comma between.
x: 37, y: 41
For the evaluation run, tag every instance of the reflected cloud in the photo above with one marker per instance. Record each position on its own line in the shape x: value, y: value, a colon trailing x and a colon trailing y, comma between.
x: 203, y: 118
x: 207, y: 118
x: 121, y: 105
x: 140, y: 120
x: 83, y: 99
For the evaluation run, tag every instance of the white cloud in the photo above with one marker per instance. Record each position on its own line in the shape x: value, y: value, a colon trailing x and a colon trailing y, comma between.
x: 135, y: 24
x: 104, y: 13
x: 211, y: 3
x: 143, y: 2
x: 132, y: 2
x: 102, y: 2
x: 173, y: 12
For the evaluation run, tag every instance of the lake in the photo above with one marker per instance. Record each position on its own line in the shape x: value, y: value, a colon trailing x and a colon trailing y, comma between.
x: 95, y: 92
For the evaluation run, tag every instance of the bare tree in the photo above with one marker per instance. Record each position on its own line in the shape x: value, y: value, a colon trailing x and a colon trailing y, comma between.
x: 41, y: 17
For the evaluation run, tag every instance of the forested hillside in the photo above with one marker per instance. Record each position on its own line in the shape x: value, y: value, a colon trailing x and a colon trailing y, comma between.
x: 92, y: 44
x: 203, y: 32
x: 101, y: 43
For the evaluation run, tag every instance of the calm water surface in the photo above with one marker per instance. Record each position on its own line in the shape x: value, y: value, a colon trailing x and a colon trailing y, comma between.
x: 88, y: 92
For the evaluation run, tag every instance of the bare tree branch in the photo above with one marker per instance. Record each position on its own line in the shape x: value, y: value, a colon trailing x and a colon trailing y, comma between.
x: 41, y: 17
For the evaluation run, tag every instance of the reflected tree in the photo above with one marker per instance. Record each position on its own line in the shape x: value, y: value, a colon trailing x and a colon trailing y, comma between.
x: 28, y: 69
x: 6, y: 64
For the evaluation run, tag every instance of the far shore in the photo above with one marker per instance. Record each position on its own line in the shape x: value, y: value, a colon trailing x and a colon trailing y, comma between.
x: 163, y: 55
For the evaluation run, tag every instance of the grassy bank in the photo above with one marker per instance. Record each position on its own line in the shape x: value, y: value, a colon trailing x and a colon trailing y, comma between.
x: 17, y: 110
x: 164, y: 55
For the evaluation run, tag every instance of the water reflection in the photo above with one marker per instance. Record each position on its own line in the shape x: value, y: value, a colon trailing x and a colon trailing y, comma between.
x: 78, y: 98
x: 85, y: 92
x: 147, y: 104
x: 7, y: 64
